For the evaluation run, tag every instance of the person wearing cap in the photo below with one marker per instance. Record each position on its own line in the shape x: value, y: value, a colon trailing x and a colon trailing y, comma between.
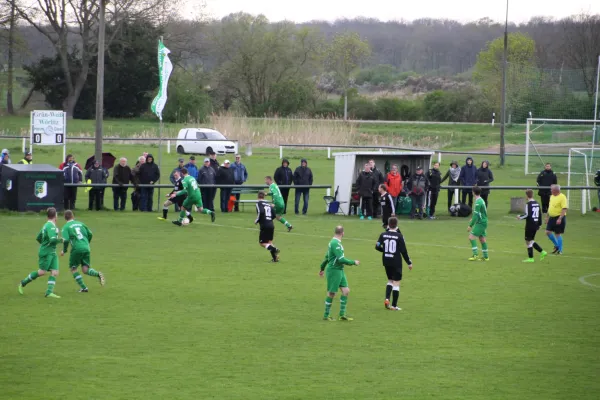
x: 240, y: 175
x: 418, y: 186
x: 302, y: 176
x: 453, y: 176
x: 28, y: 159
x: 225, y: 177
x: 207, y: 176
x: 178, y: 169
x: 5, y: 157
x: 191, y: 167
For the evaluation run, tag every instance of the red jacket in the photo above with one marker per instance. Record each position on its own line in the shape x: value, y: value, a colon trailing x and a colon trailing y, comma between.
x: 394, y: 184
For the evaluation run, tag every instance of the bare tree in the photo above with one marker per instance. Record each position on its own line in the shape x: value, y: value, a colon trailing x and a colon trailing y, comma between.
x: 582, y: 46
x: 58, y: 20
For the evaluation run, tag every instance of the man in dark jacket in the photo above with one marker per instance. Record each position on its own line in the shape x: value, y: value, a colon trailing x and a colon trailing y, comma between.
x: 149, y: 174
x: 418, y: 186
x: 225, y: 177
x: 434, y: 176
x: 364, y: 185
x: 214, y: 164
x: 207, y: 176
x: 240, y: 175
x: 484, y: 178
x: 178, y: 169
x: 96, y: 174
x: 72, y: 174
x: 546, y: 178
x: 136, y: 194
x: 379, y: 179
x: 468, y: 178
x: 452, y: 175
x: 121, y: 176
x: 284, y: 176
x: 302, y: 176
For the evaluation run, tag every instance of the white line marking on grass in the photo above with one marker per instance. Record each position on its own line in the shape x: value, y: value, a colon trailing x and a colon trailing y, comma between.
x: 374, y: 240
x: 583, y: 281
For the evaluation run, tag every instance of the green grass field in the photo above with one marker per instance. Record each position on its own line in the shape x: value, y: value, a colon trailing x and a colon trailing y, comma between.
x: 199, y: 312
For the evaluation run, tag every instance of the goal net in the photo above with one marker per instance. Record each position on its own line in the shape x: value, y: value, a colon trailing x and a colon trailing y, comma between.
x: 582, y: 167
x: 550, y: 140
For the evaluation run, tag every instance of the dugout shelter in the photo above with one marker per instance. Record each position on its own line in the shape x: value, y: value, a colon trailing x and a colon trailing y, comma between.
x: 32, y: 187
x: 349, y: 165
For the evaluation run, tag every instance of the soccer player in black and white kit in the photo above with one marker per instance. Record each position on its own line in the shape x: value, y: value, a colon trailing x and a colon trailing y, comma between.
x: 388, y: 208
x: 391, y: 244
x: 533, y: 221
x: 265, y: 216
x: 178, y: 201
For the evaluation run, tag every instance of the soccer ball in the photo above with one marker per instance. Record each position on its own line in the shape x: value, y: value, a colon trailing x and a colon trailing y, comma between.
x: 185, y: 221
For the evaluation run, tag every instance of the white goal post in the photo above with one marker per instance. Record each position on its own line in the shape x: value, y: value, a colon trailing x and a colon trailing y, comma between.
x: 581, y: 173
x: 548, y: 140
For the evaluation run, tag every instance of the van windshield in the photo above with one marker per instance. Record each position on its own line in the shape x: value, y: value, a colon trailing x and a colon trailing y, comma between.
x: 214, y: 135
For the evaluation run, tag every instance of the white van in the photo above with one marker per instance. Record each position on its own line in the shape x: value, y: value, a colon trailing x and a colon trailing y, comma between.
x: 203, y: 141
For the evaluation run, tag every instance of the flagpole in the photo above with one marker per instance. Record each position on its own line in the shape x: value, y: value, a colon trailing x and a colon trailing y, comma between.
x: 160, y: 131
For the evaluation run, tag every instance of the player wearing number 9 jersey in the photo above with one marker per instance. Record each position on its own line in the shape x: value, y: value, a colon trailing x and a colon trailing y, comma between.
x: 391, y: 244
x: 194, y: 198
x: 79, y: 236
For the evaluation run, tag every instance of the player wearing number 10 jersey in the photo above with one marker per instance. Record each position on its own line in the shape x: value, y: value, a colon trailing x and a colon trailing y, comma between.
x: 391, y: 244
x: 265, y: 215
x: 533, y: 221
x: 79, y: 236
x: 190, y: 188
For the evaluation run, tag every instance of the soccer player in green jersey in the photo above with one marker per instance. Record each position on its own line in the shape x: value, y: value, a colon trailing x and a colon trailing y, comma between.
x: 333, y: 268
x: 80, y: 236
x: 48, y: 238
x: 478, y: 226
x: 277, y: 202
x: 194, y: 198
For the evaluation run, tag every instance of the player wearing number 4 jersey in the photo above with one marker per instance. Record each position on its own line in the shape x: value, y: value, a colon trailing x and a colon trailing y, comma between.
x: 277, y: 201
x: 190, y: 188
x: 533, y: 221
x: 265, y: 214
x: 48, y: 238
x: 391, y: 244
x: 79, y: 236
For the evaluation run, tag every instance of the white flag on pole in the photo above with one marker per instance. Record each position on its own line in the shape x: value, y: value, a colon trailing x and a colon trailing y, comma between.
x: 164, y: 72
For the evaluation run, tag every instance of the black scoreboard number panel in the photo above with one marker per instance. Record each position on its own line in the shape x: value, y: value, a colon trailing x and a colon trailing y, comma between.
x: 60, y: 138
x: 37, y: 138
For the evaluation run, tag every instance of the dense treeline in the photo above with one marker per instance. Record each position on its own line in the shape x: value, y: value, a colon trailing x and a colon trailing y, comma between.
x: 426, y: 69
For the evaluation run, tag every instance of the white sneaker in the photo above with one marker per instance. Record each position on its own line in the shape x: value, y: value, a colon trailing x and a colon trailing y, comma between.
x: 392, y: 308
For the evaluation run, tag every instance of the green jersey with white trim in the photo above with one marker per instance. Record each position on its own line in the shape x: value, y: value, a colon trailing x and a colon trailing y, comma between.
x: 190, y: 187
x: 334, y: 258
x: 78, y: 234
x: 276, y: 193
x: 48, y: 238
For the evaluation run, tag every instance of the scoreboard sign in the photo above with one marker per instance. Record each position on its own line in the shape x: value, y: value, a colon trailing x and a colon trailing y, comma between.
x: 48, y: 128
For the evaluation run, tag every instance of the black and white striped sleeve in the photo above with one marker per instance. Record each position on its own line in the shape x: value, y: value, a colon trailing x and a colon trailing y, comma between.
x: 391, y: 200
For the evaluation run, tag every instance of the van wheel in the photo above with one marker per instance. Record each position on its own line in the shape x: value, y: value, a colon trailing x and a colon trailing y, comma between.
x: 209, y: 150
x: 180, y: 150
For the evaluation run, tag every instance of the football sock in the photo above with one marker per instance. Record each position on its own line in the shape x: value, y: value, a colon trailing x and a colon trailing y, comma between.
x: 51, y: 283
x: 484, y: 249
x: 474, y: 246
x: 206, y: 211
x: 328, y: 301
x: 92, y: 272
x: 283, y: 221
x: 559, y: 243
x: 530, y: 252
x: 343, y: 304
x: 553, y: 239
x: 396, y: 294
x: 31, y: 277
x: 537, y: 247
x: 388, y: 291
x: 181, y: 215
x: 79, y: 279
x: 269, y: 247
x: 165, y: 212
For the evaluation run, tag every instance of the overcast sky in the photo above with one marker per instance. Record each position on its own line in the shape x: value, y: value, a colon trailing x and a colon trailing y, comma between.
x: 461, y: 10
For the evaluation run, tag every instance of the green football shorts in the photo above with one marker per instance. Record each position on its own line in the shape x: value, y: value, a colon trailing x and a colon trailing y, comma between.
x: 279, y: 208
x: 336, y: 278
x: 77, y: 258
x: 479, y: 230
x: 192, y: 201
x: 48, y: 262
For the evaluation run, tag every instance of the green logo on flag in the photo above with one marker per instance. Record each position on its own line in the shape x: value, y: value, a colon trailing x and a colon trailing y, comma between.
x: 41, y: 189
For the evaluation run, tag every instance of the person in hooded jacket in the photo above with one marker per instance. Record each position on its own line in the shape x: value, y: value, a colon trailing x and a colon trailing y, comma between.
x: 302, y: 176
x: 225, y: 177
x: 452, y: 175
x: 546, y: 178
x: 484, y: 178
x: 284, y: 176
x: 365, y: 183
x: 96, y: 174
x: 394, y: 183
x: 468, y: 178
x: 434, y: 176
x: 149, y: 174
x: 418, y: 185
x: 72, y: 174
